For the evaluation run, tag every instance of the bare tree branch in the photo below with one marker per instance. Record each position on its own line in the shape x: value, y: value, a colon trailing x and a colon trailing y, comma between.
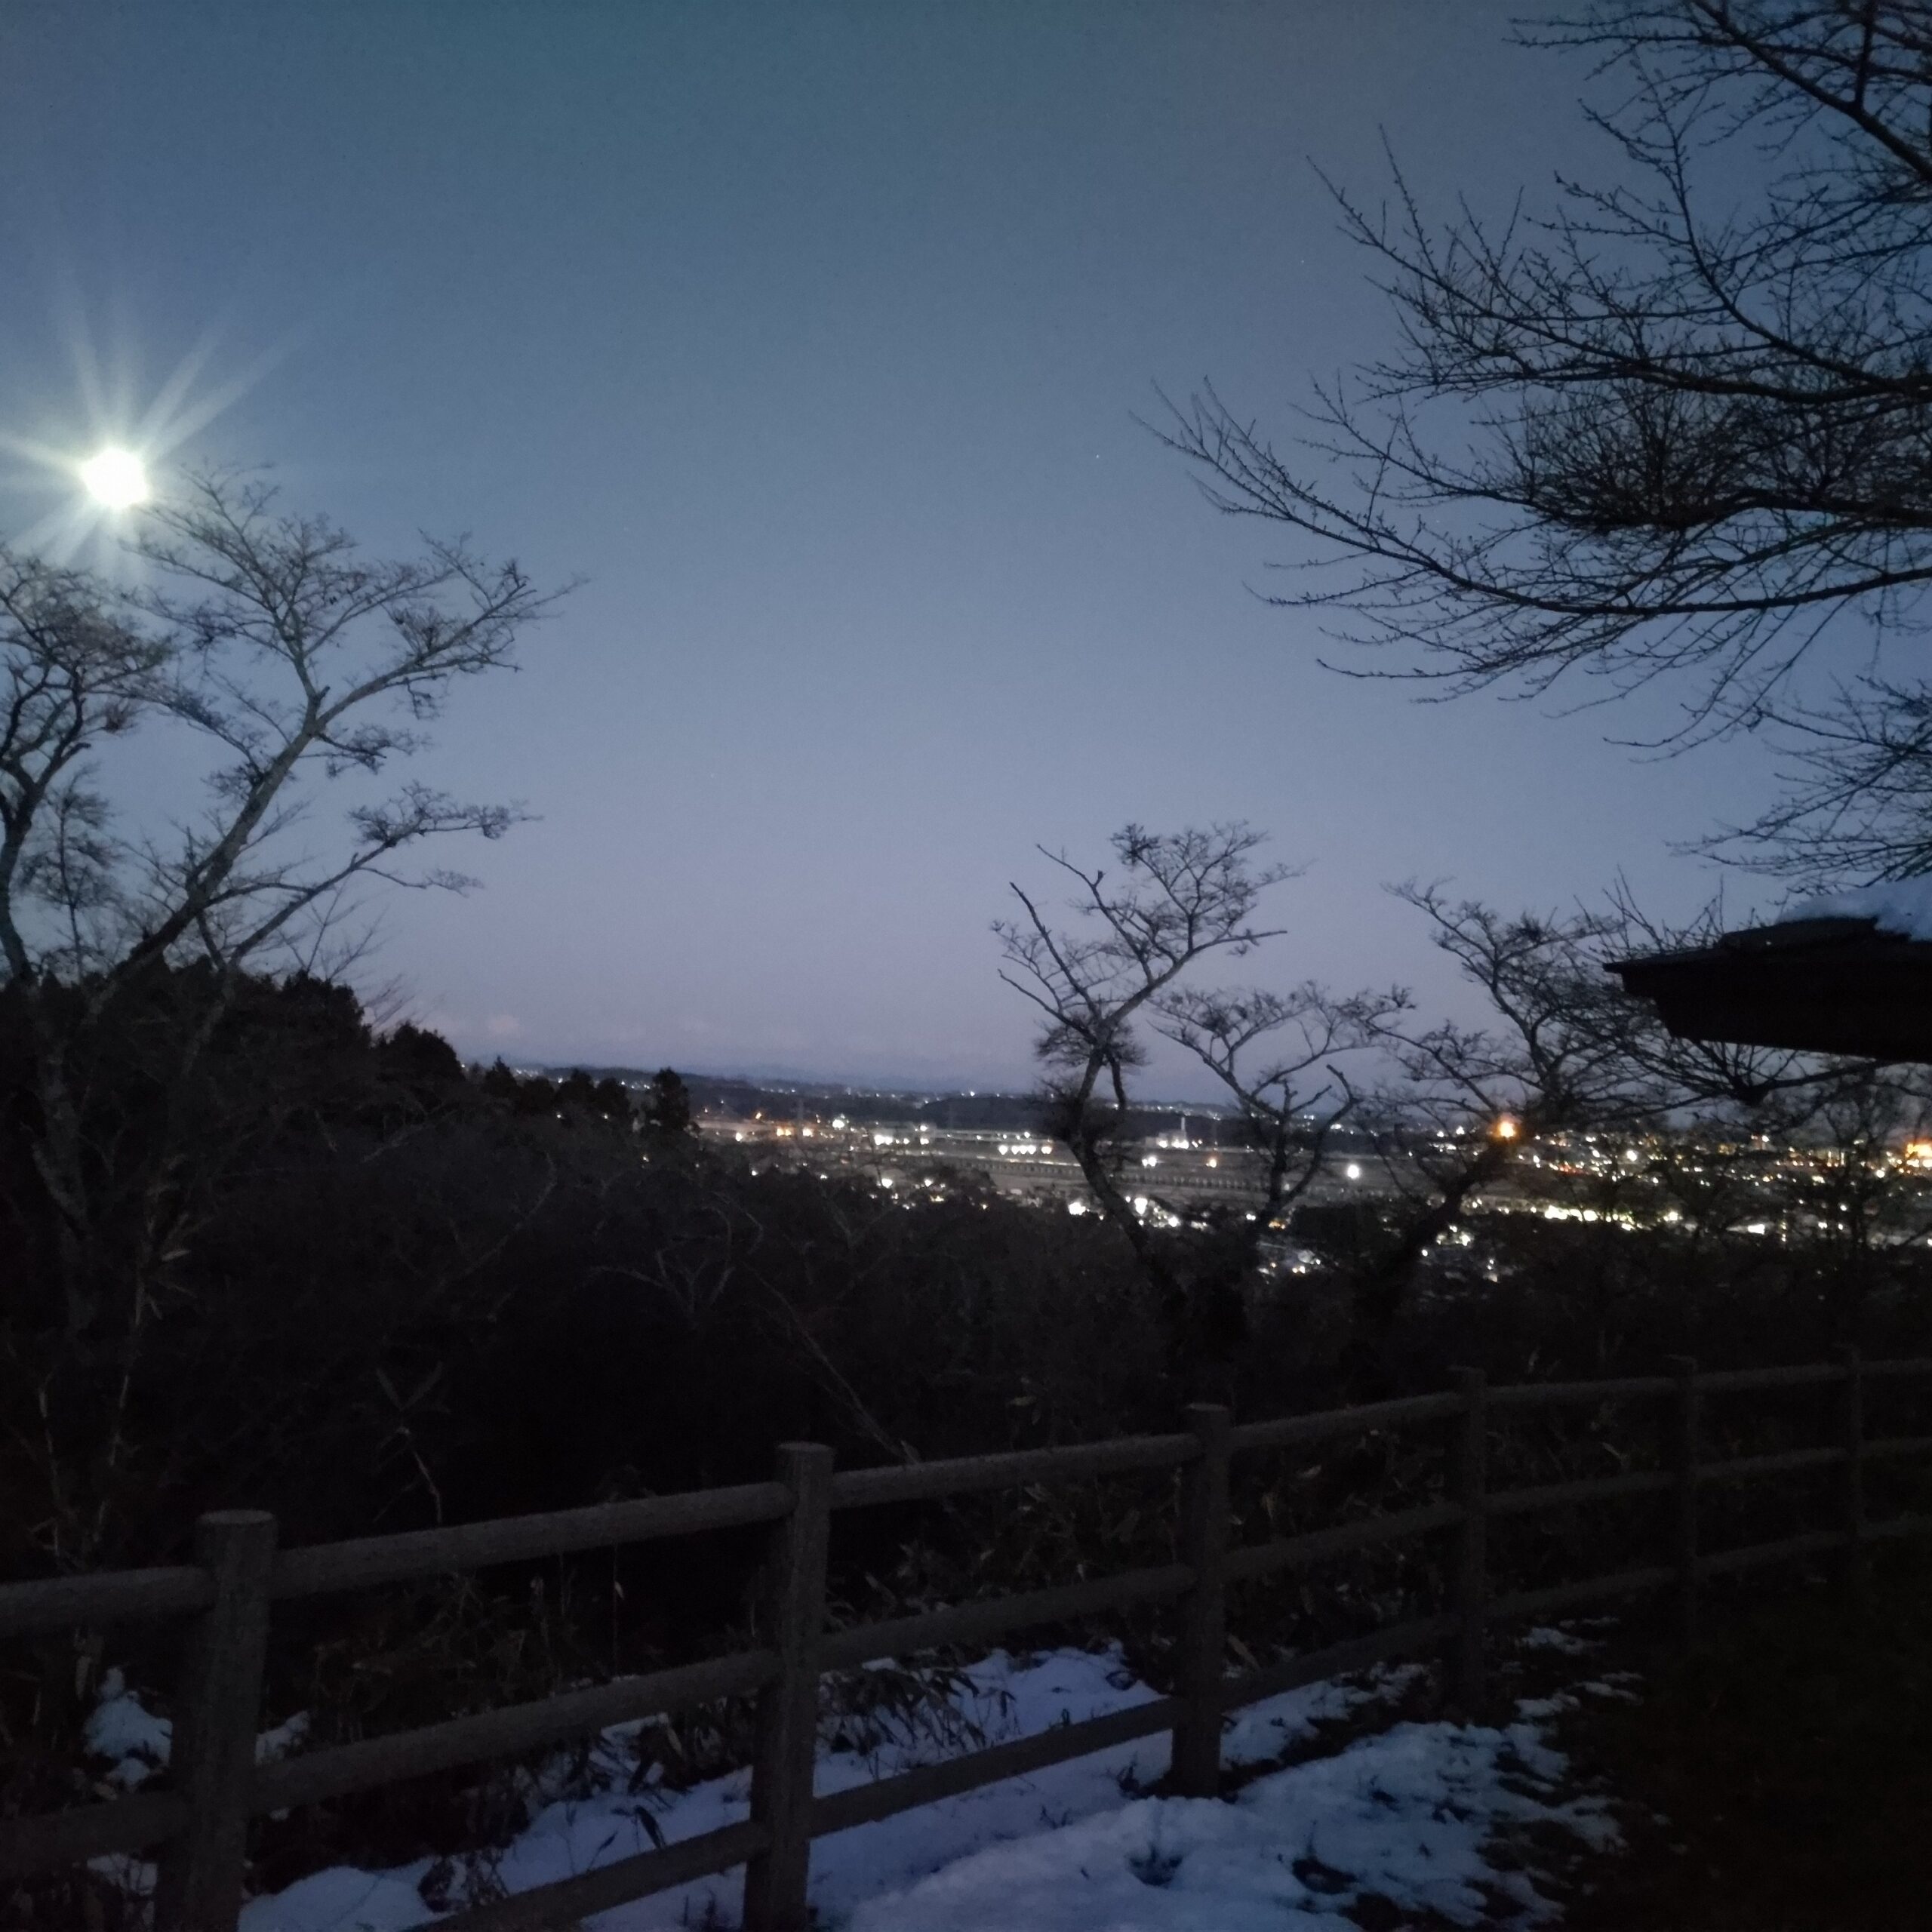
x: 273, y: 644
x: 1647, y: 434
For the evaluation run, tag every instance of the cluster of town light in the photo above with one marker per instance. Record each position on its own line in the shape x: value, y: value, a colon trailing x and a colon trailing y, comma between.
x: 1913, y: 1156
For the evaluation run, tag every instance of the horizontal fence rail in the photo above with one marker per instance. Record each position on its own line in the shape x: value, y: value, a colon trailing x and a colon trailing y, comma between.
x: 918, y: 1482
x: 371, y: 1761
x: 1286, y: 1431
x: 329, y: 1567
x: 1264, y: 1559
x: 227, y: 1595
x: 1553, y: 1395
x: 117, y: 1596
x: 1882, y: 1370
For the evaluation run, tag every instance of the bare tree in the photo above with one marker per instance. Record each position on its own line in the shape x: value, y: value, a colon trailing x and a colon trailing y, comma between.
x: 1856, y: 790
x: 1288, y: 1106
x: 1178, y: 899
x: 1560, y: 1053
x: 1650, y: 432
x: 1289, y: 1101
x: 285, y: 659
x: 1462, y: 1100
x: 77, y: 671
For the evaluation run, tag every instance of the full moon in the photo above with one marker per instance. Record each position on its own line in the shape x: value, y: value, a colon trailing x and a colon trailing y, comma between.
x: 116, y: 478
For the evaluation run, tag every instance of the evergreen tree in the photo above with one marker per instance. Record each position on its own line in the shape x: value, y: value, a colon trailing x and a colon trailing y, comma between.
x: 669, y: 1110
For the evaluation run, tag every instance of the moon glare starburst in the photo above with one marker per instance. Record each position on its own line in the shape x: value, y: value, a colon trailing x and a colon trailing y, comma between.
x: 117, y: 479
x: 96, y: 474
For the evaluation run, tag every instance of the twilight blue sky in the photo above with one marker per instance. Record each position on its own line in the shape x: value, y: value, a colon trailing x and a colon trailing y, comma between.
x: 811, y: 336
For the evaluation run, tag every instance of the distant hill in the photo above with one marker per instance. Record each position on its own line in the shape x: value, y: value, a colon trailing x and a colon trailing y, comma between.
x: 961, y: 1110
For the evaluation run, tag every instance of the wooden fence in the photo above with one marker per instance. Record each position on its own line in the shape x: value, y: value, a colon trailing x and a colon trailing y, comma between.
x: 227, y: 1595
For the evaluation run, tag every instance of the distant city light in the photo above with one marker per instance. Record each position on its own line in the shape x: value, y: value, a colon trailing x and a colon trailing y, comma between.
x: 1353, y: 1172
x: 116, y: 478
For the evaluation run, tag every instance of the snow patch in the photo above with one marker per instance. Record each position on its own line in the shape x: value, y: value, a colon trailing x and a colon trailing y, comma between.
x: 1902, y: 906
x: 121, y: 1727
x: 1404, y: 1816
x: 1551, y: 1637
x: 284, y: 1740
x: 341, y: 1899
x: 1075, y: 1847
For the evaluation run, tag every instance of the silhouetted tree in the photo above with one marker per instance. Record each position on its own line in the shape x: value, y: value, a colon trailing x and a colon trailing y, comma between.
x: 606, y: 1101
x: 290, y: 660
x: 1561, y: 1051
x: 578, y: 1091
x: 499, y: 1084
x: 669, y: 1107
x: 425, y: 1062
x: 1178, y: 899
x: 1661, y: 431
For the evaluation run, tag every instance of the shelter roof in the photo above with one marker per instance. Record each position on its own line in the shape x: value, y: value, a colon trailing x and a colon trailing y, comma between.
x: 1831, y: 985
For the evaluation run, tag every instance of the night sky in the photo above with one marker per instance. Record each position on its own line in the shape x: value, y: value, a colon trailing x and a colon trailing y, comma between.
x: 812, y: 337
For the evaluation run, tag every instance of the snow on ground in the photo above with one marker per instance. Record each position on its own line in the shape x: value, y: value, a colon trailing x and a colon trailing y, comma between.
x: 1407, y: 1814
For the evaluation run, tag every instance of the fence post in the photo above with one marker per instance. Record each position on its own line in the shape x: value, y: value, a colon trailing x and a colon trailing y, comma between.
x: 217, y: 1710
x: 792, y: 1621
x: 1683, y: 1457
x: 1195, y: 1771
x: 1469, y: 1481
x: 1851, y: 1475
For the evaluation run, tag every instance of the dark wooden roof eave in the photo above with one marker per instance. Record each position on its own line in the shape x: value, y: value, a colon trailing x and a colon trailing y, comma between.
x: 1811, y: 986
